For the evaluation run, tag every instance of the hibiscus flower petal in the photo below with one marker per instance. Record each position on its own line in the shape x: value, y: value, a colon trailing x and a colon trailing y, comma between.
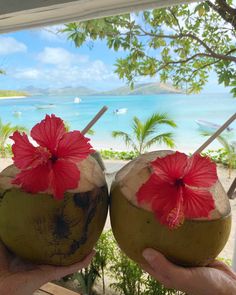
x: 197, y: 203
x: 64, y: 175
x: 48, y: 132
x: 161, y: 195
x: 33, y: 180
x: 200, y: 172
x: 25, y: 154
x: 171, y: 167
x: 74, y: 146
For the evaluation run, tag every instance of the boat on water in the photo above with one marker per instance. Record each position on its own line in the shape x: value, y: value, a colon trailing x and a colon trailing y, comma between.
x: 45, y: 106
x: 120, y: 111
x: 77, y: 100
x: 210, y: 126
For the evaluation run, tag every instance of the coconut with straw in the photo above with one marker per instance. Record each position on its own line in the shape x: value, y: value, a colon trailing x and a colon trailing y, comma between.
x: 173, y: 203
x: 54, y: 198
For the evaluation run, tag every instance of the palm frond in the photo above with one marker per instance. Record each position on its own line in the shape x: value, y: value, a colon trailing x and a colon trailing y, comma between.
x: 137, y: 128
x: 166, y: 138
x: 126, y: 137
x: 6, y: 130
x: 151, y: 124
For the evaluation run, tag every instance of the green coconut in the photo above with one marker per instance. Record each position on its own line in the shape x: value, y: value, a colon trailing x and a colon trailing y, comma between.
x: 43, y: 230
x: 195, y: 243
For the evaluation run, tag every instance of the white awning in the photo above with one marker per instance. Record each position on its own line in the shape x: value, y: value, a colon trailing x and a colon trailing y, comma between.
x: 23, y: 14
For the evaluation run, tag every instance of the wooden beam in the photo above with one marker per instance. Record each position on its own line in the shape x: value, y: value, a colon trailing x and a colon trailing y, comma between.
x: 53, y: 289
x: 24, y: 14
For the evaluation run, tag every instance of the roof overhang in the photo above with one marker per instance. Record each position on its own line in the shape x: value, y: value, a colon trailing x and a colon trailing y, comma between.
x: 24, y: 14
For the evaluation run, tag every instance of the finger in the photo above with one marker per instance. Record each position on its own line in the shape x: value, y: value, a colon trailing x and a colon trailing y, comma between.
x: 165, y: 272
x: 17, y: 264
x: 223, y: 267
x: 5, y: 257
x: 148, y: 269
x: 50, y: 273
x: 34, y: 279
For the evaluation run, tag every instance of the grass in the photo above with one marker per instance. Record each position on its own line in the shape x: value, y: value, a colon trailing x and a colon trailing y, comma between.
x: 8, y: 93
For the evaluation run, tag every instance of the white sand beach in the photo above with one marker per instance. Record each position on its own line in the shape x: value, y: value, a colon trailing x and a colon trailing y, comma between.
x: 112, y: 166
x: 12, y: 97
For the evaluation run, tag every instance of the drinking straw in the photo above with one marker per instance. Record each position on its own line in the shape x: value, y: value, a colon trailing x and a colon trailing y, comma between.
x: 232, y: 189
x: 94, y: 120
x: 217, y: 133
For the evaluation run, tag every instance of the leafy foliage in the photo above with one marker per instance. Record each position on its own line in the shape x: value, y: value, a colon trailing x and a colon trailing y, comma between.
x: 227, y: 155
x: 145, y: 134
x: 6, y: 130
x: 127, y: 274
x: 115, y: 155
x: 86, y: 278
x: 182, y: 43
x: 130, y: 279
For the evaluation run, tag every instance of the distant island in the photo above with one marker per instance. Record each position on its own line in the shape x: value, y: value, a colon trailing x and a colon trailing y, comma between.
x: 75, y: 91
x: 12, y: 94
x: 144, y: 89
x: 139, y: 89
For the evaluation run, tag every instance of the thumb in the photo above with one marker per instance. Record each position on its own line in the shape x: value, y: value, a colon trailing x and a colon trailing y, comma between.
x: 165, y: 272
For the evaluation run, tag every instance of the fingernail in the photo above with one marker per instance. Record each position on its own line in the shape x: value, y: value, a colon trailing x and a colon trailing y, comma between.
x: 149, y: 254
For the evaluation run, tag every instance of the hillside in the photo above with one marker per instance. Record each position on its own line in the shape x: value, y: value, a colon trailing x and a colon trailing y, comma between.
x: 76, y: 91
x: 139, y: 89
x: 143, y: 89
x: 12, y: 93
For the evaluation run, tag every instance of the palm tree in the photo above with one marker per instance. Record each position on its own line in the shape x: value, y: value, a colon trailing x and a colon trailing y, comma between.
x: 145, y: 134
x: 229, y: 149
x: 6, y: 130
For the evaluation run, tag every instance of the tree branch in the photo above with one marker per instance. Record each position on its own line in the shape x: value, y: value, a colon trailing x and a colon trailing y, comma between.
x: 176, y: 19
x: 192, y: 36
x: 203, y: 67
x: 182, y: 61
x: 227, y: 12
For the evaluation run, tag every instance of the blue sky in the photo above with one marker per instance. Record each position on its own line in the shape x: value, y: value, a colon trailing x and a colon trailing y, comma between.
x: 44, y: 59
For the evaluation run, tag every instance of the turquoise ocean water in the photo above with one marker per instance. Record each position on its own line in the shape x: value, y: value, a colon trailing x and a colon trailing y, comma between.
x: 184, y: 109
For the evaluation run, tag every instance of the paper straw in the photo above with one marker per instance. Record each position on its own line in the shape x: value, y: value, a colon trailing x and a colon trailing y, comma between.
x: 217, y: 133
x: 232, y: 189
x: 94, y: 120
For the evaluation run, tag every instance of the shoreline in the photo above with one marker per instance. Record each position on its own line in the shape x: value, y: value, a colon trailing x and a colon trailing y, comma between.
x: 12, y: 97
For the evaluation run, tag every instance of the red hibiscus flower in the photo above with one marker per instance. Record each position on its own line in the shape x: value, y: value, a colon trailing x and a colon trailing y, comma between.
x: 178, y: 188
x: 51, y: 166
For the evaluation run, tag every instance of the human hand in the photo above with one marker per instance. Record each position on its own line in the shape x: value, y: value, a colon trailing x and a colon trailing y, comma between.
x: 21, y: 278
x: 216, y: 278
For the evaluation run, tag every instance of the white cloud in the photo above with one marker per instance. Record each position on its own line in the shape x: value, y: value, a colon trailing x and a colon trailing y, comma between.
x: 9, y: 45
x: 60, y: 57
x: 52, y: 33
x: 59, y: 67
x: 28, y: 73
x: 83, y: 74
